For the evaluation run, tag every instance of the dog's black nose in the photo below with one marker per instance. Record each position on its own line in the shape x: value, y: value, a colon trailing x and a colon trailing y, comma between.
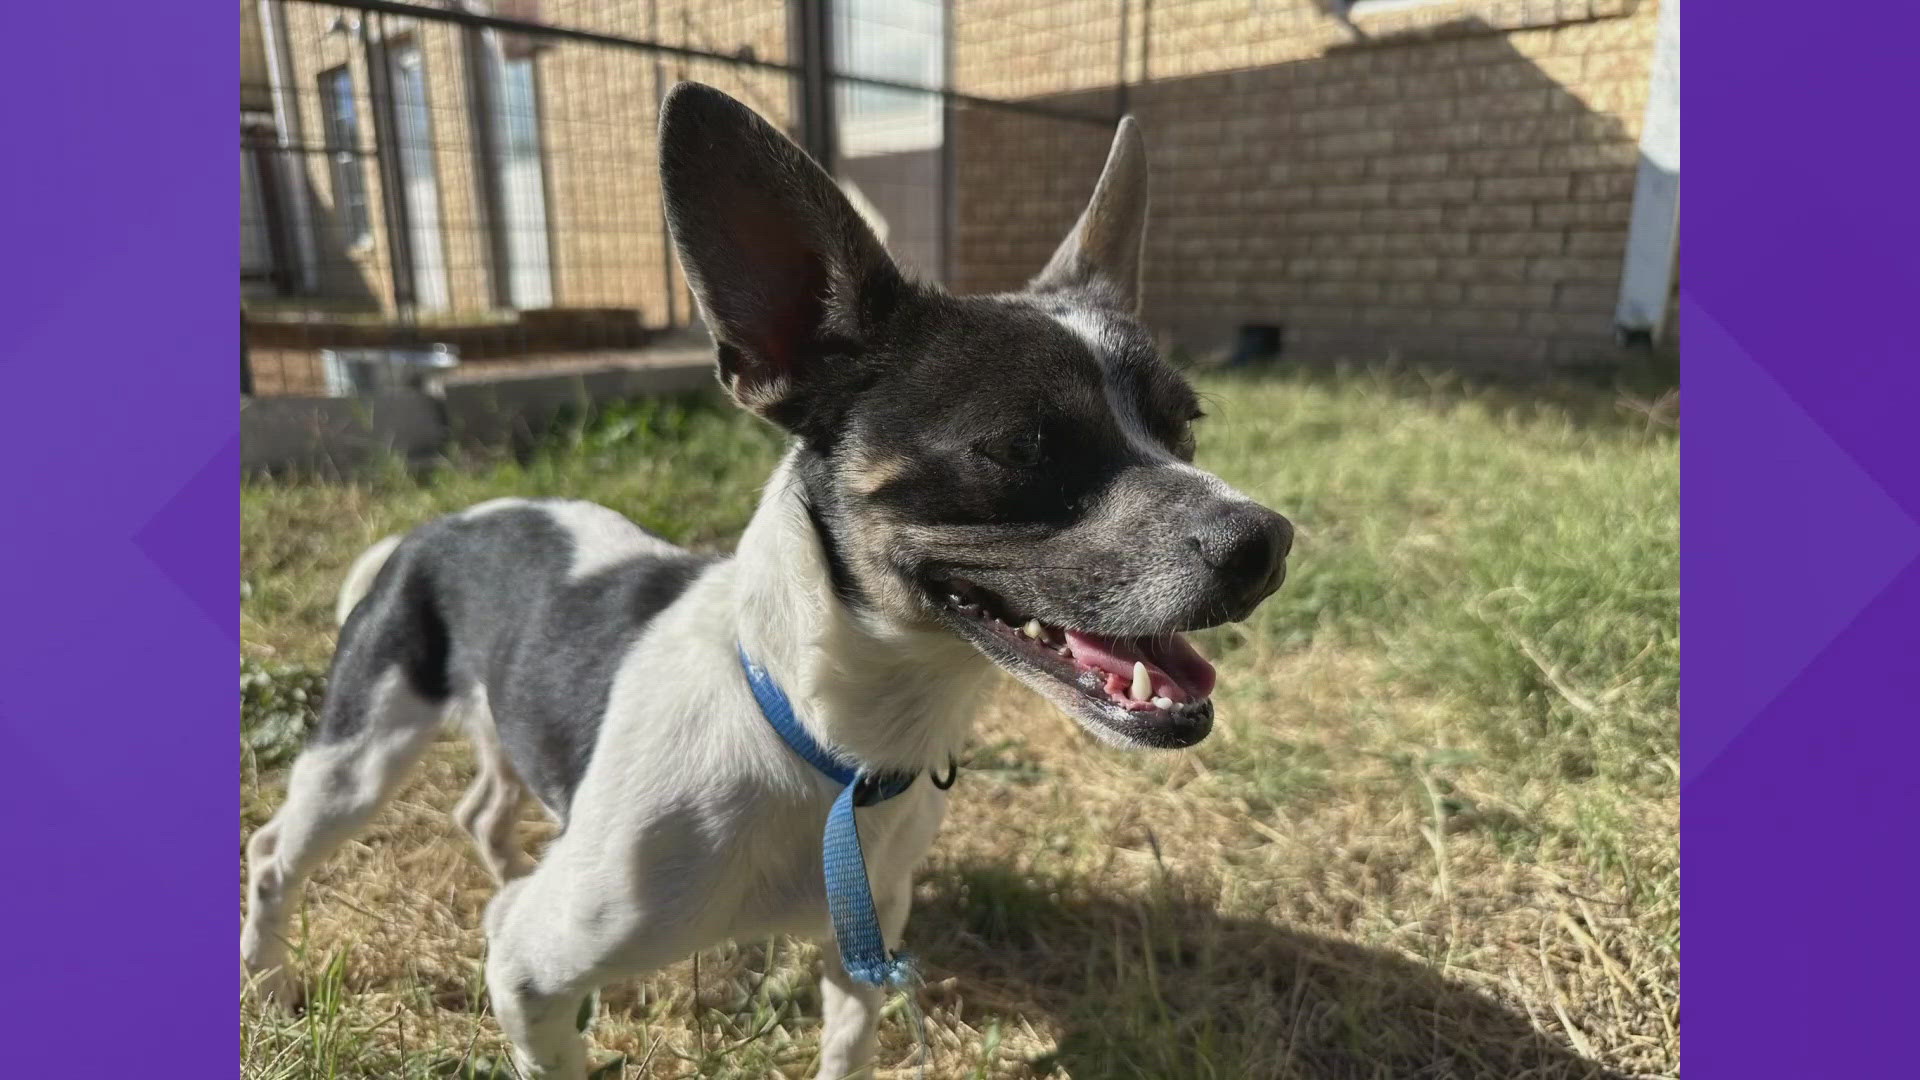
x: 1247, y: 548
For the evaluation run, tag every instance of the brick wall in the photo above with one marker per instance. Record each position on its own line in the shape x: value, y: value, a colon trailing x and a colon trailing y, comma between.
x: 1450, y: 182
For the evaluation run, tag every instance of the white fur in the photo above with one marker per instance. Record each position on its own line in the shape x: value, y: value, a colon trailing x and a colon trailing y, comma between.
x: 494, y: 506
x: 1094, y: 328
x: 601, y: 537
x: 1089, y: 326
x: 360, y: 577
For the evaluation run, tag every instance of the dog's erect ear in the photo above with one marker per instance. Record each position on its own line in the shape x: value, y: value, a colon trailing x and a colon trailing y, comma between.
x: 785, y: 270
x: 1100, y: 258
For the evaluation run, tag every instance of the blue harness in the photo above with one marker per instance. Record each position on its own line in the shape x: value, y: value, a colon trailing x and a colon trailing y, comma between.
x: 856, y: 925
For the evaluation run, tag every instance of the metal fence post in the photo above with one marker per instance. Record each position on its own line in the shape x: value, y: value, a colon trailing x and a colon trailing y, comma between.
x: 390, y: 166
x: 815, y: 33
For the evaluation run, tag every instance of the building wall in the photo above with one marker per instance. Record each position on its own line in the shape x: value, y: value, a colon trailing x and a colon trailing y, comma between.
x: 1448, y: 182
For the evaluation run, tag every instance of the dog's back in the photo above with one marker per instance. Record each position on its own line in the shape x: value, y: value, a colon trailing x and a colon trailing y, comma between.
x: 526, y: 604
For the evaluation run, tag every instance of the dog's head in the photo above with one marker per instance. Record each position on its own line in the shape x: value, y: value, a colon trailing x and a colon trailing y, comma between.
x: 1014, y: 469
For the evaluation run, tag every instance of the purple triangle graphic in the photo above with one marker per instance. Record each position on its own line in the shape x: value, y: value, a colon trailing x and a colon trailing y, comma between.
x: 174, y: 539
x: 1829, y: 540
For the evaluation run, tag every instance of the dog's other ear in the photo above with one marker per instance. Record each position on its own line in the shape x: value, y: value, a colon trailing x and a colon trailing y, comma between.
x: 786, y: 272
x: 1100, y: 258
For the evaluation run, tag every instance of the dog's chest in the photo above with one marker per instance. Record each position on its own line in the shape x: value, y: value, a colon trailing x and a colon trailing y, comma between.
x: 783, y: 890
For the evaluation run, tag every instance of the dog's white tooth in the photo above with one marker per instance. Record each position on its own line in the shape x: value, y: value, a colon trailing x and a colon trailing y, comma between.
x: 1142, y: 682
x: 1034, y: 630
x: 1163, y: 703
x: 1063, y: 649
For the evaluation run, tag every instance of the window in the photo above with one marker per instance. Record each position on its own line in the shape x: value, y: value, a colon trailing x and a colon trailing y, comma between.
x: 521, y: 248
x: 890, y: 141
x: 901, y: 41
x: 343, y: 154
x: 419, y: 183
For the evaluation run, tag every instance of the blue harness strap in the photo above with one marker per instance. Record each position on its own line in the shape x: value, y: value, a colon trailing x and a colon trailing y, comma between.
x: 856, y: 924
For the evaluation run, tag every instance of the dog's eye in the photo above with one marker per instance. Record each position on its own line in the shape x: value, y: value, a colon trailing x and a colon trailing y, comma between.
x: 1183, y: 439
x: 1183, y: 444
x: 1022, y: 451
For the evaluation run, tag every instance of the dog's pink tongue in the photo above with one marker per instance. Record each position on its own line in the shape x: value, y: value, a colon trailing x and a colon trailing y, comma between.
x: 1177, y: 656
x: 1170, y: 660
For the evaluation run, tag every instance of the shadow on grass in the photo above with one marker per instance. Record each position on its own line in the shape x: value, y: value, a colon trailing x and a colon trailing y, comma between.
x: 1165, y: 986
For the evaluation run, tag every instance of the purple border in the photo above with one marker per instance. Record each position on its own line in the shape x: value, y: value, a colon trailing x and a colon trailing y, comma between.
x: 1801, y: 577
x: 118, y: 549
x: 1799, y: 573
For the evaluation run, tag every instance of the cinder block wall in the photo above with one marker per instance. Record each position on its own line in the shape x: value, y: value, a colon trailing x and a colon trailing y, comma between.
x: 1450, y: 182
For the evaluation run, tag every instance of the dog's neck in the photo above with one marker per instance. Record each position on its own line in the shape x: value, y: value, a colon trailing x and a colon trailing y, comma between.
x: 888, y: 696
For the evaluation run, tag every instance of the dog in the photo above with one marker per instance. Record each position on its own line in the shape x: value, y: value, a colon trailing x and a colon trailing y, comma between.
x: 973, y: 483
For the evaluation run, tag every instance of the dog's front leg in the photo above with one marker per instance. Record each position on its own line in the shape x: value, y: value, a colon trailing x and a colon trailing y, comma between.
x: 537, y: 975
x: 553, y: 937
x: 850, y: 1012
x: 557, y: 934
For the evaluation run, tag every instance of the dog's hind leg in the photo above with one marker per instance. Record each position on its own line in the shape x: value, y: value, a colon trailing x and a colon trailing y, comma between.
x: 338, y: 782
x: 490, y: 809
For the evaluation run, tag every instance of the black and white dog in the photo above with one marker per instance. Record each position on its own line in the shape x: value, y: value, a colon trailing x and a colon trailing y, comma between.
x: 973, y: 481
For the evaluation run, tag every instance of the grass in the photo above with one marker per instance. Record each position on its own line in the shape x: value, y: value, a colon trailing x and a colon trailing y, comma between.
x: 1434, y: 833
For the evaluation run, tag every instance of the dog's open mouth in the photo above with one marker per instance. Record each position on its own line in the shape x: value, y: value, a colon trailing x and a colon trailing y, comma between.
x: 1153, y: 691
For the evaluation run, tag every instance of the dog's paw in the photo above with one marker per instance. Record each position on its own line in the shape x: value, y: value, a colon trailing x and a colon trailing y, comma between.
x: 277, y: 988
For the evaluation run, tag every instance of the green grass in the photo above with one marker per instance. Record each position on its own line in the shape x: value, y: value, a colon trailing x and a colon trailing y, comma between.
x: 1435, y: 832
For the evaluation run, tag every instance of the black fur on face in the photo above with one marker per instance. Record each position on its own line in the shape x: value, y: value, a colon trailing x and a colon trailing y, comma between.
x: 997, y: 446
x: 1013, y: 468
